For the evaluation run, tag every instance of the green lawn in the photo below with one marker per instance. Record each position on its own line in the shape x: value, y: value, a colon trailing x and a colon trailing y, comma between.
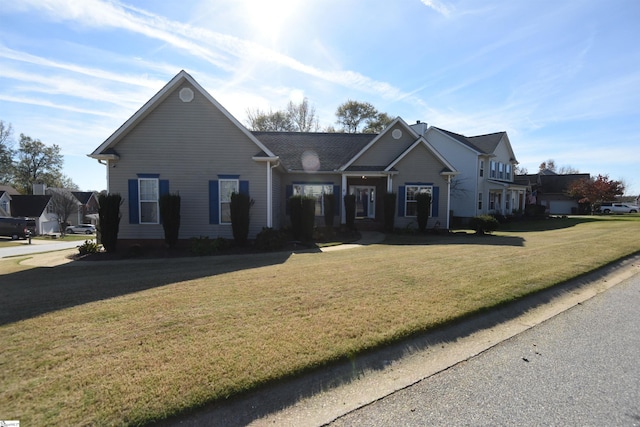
x: 127, y: 342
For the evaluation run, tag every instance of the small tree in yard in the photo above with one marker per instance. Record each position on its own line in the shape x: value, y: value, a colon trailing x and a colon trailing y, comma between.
x: 389, y: 211
x: 329, y: 200
x: 109, y: 220
x: 423, y: 205
x: 170, y: 215
x: 62, y: 204
x: 484, y: 224
x: 308, y: 217
x: 240, y: 217
x: 350, y: 210
x: 596, y: 190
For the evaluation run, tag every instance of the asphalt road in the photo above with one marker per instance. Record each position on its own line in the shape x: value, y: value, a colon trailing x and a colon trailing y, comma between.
x: 581, y: 367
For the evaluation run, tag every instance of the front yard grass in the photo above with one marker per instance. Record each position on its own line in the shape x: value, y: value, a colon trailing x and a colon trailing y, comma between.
x: 129, y: 342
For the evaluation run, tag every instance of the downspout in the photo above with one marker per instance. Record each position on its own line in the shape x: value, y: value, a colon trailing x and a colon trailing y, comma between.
x: 449, y: 177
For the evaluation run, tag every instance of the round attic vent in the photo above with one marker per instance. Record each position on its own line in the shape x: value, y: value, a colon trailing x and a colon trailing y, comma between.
x: 396, y: 134
x: 186, y: 94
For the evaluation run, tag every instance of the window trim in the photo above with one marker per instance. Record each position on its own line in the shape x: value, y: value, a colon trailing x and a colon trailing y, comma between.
x: 407, y: 201
x: 320, y: 199
x: 226, y: 202
x: 149, y: 201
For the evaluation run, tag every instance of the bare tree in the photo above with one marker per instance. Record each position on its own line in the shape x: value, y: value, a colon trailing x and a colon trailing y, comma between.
x: 303, y: 116
x: 273, y: 121
x: 63, y: 203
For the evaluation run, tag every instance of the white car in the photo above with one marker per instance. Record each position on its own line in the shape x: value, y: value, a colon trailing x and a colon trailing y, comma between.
x: 81, y: 229
x: 612, y: 207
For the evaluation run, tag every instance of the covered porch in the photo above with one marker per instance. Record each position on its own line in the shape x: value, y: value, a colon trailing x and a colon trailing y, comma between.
x: 506, y: 198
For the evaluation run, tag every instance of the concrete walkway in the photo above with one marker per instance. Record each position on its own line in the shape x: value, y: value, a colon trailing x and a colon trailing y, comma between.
x: 53, y: 253
x: 366, y: 238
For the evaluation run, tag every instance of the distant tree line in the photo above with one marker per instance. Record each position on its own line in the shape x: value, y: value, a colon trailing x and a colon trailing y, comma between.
x: 352, y: 117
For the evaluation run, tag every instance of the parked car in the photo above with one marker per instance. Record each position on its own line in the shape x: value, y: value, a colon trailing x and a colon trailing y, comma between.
x: 16, y: 228
x: 81, y: 229
x: 613, y: 207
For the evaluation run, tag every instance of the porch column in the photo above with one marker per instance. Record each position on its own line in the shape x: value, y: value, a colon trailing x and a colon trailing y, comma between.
x: 269, y: 195
x: 503, y: 203
x: 343, y: 214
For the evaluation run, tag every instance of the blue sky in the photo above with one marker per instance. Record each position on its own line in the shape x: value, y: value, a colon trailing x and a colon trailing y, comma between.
x: 562, y: 78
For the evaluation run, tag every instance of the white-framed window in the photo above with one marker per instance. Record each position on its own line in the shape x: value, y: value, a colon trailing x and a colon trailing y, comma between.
x: 316, y: 191
x: 500, y: 170
x: 148, y: 194
x: 492, y: 172
x: 508, y: 172
x: 226, y: 187
x: 481, y: 168
x: 411, y: 206
x: 479, y: 201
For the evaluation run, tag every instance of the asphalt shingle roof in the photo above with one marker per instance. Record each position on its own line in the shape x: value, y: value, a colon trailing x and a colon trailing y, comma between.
x: 28, y: 205
x: 485, y: 144
x: 333, y: 150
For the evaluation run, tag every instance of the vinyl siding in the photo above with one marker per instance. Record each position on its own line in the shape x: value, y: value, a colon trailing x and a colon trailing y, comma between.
x: 420, y: 166
x: 188, y: 144
x: 386, y: 149
x: 464, y: 198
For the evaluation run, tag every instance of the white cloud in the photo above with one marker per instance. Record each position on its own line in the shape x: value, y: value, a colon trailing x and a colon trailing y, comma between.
x: 438, y: 6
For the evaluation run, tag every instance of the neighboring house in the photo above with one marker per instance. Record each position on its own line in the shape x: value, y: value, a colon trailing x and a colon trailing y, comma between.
x: 183, y: 141
x: 86, y: 205
x: 6, y: 192
x: 34, y: 207
x: 486, y: 163
x: 550, y: 189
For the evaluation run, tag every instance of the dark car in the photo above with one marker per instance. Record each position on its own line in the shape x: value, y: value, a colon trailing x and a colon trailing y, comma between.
x: 16, y: 228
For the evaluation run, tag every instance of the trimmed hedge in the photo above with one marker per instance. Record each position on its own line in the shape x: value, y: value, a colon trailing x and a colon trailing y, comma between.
x: 484, y: 224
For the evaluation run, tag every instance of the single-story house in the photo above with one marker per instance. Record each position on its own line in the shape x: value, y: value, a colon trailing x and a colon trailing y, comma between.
x: 184, y: 141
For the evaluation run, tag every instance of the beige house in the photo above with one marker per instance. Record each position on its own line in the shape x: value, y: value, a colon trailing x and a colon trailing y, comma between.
x: 183, y: 141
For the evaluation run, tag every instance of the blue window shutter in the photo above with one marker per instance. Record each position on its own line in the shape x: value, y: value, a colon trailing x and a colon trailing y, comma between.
x: 214, y: 215
x: 336, y: 199
x: 435, y: 202
x: 134, y: 217
x: 288, y: 194
x: 401, y: 196
x: 163, y: 187
x: 244, y: 187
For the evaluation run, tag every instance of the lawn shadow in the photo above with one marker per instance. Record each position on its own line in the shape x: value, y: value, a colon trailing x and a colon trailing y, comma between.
x: 41, y: 290
x: 551, y: 223
x: 452, y: 238
x: 280, y: 395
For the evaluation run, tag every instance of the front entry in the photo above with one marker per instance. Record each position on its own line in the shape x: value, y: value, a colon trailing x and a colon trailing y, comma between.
x: 365, y: 200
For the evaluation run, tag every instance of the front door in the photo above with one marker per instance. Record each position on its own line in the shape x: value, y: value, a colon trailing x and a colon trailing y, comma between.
x: 365, y: 201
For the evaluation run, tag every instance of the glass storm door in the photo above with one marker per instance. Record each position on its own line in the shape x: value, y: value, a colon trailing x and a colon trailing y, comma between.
x: 365, y: 201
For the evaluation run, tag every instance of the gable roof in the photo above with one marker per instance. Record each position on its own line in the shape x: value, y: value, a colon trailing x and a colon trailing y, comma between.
x: 560, y: 183
x: 106, y: 149
x: 483, y: 144
x: 28, y: 205
x: 448, y: 168
x: 396, y: 121
x: 83, y: 196
x: 331, y: 149
x: 9, y: 190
